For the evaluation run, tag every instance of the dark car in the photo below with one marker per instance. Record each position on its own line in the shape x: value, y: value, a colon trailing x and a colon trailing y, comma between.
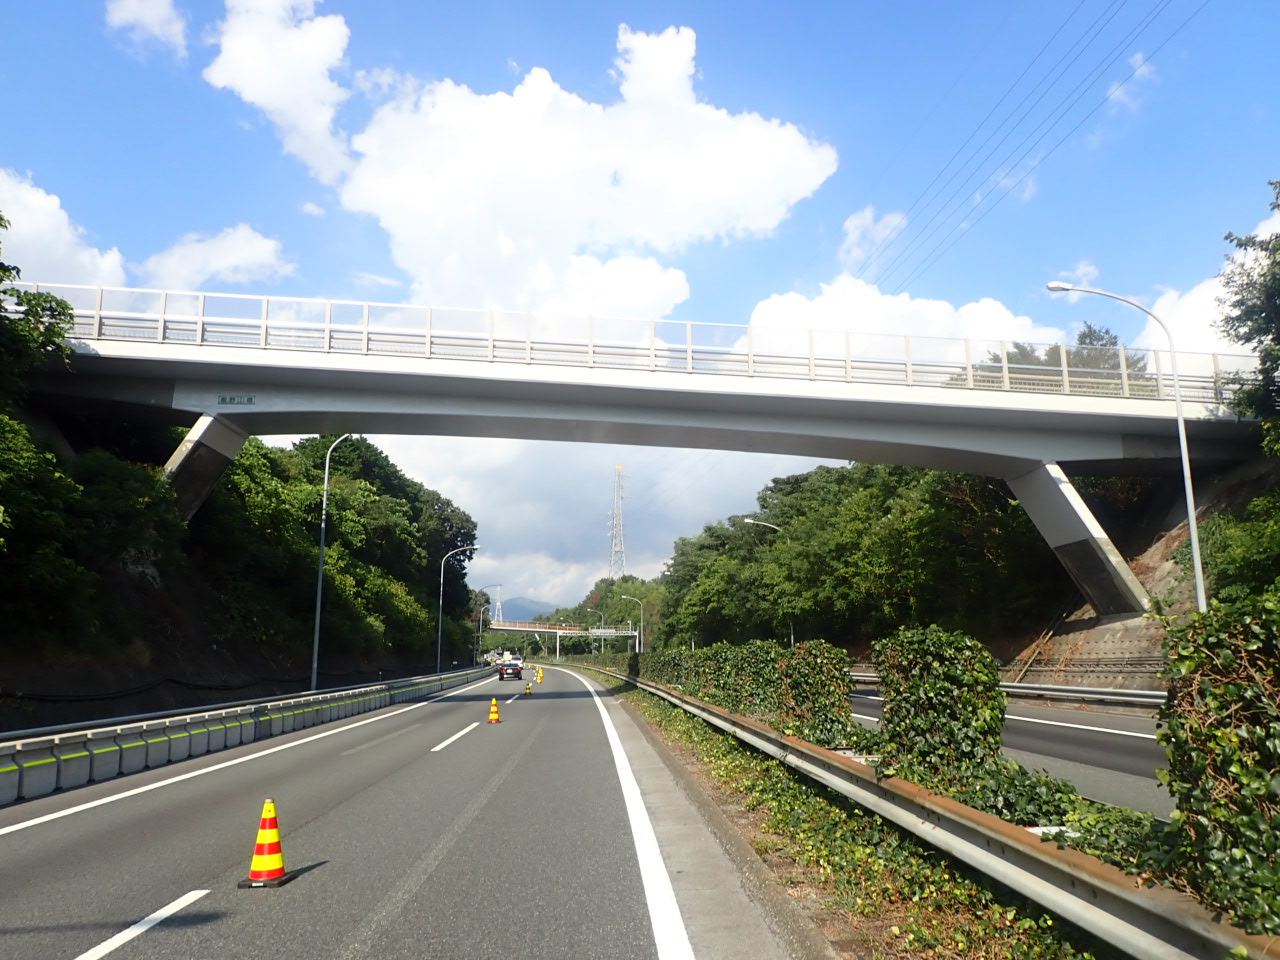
x: 510, y: 670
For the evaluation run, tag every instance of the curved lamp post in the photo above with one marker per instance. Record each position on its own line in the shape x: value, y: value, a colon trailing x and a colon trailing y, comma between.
x: 324, y: 516
x: 1058, y: 286
x: 790, y: 620
x: 475, y: 658
x: 440, y: 607
x: 640, y: 641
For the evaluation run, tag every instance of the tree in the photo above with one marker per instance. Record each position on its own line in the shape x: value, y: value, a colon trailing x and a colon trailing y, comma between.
x: 1251, y: 316
x: 33, y: 330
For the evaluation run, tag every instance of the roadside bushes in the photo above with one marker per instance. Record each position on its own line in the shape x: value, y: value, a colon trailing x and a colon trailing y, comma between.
x: 802, y: 690
x: 1222, y: 730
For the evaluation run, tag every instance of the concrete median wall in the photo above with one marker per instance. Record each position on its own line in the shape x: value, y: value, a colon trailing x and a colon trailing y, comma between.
x: 45, y: 761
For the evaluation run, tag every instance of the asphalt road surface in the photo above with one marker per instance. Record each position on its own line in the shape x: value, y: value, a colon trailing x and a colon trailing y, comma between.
x: 416, y: 831
x: 1110, y: 757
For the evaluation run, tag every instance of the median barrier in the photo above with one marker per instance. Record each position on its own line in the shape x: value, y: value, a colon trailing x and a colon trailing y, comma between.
x: 104, y: 754
x: 156, y: 737
x: 8, y: 773
x: 38, y: 762
x: 73, y: 761
x: 37, y: 768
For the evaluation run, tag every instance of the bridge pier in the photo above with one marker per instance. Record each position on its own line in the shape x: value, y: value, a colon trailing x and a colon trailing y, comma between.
x: 1083, y: 547
x: 201, y: 459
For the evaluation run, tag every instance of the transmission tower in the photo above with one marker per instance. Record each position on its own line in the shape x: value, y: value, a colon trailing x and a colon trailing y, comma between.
x: 617, y: 553
x: 497, y: 607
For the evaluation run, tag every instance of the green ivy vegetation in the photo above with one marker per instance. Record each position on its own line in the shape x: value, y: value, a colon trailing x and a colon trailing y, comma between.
x: 1222, y: 730
x: 910, y: 900
x: 803, y: 690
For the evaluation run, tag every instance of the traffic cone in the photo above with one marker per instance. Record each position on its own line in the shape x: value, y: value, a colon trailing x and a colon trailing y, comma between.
x: 539, y: 674
x: 528, y: 689
x: 493, y: 711
x: 267, y: 867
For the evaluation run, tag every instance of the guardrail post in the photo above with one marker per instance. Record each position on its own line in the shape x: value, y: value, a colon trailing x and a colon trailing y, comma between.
x: 200, y: 319
x: 97, y: 316
x: 364, y: 321
x: 653, y: 344
x: 688, y: 345
x: 968, y: 363
x: 591, y: 345
x: 906, y: 357
x: 1062, y: 355
x: 1159, y: 376
x: 1124, y: 371
x: 528, y: 338
x: 491, y: 332
x: 751, y: 369
x: 812, y: 365
x: 164, y: 306
x: 328, y: 325
x: 265, y: 302
x: 430, y: 322
x: 1004, y: 363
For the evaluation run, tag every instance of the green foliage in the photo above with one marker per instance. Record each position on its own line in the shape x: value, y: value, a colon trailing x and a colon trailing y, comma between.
x: 943, y: 723
x: 33, y: 329
x: 803, y: 691
x: 862, y: 550
x: 915, y: 900
x: 1251, y: 316
x: 1222, y: 730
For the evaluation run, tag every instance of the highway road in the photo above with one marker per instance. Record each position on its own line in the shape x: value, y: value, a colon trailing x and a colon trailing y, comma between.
x: 1109, y: 756
x: 418, y: 831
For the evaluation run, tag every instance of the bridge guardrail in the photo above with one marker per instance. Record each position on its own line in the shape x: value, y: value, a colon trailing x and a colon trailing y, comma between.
x: 387, y: 329
x: 34, y: 763
x: 1150, y: 923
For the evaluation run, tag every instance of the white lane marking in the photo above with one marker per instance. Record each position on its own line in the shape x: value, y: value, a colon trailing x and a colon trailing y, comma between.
x: 124, y: 936
x: 381, y: 739
x: 58, y: 815
x: 863, y: 716
x: 669, y: 933
x: 516, y: 697
x: 461, y: 733
x: 1036, y: 720
x: 1051, y: 723
x: 1081, y: 726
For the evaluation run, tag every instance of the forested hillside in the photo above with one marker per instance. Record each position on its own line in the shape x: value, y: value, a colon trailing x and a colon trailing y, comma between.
x: 106, y: 588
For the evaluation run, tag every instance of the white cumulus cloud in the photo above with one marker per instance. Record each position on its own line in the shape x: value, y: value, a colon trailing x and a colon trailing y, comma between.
x: 238, y: 254
x: 277, y: 55
x: 44, y: 243
x: 149, y: 21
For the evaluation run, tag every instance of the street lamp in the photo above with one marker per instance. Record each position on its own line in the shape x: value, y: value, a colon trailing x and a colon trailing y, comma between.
x: 593, y: 646
x: 1059, y: 286
x: 440, y: 607
x: 324, y: 515
x: 791, y: 621
x: 640, y: 639
x: 480, y: 620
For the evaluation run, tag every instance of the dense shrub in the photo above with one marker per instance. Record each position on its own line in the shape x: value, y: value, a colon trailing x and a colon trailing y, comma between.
x: 1222, y: 730
x: 803, y: 690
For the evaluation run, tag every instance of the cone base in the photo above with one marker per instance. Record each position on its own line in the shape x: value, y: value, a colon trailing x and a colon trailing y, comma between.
x: 247, y: 884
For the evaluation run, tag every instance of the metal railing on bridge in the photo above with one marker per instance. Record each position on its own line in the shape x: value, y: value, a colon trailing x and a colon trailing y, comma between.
x: 494, y: 336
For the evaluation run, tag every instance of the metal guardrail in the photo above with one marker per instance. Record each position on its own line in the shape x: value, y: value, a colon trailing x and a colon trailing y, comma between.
x: 37, y: 762
x: 193, y: 318
x: 1142, y: 698
x: 1147, y: 923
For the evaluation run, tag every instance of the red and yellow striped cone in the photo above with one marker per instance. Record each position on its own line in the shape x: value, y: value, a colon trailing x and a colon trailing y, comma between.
x: 267, y: 867
x: 539, y: 674
x: 493, y: 711
x: 528, y: 689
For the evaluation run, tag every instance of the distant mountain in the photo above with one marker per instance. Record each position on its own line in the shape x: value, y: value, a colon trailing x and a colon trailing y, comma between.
x: 523, y: 609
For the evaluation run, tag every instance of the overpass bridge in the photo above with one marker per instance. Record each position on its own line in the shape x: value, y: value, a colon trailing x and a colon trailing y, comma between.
x: 238, y: 365
x: 602, y: 633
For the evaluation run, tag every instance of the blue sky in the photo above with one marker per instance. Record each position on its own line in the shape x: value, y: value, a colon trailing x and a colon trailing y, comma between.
x: 711, y: 162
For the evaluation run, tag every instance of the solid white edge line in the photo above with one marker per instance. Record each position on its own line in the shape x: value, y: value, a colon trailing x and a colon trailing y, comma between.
x: 669, y: 933
x: 58, y: 815
x: 514, y: 699
x: 461, y: 733
x: 1052, y: 723
x: 124, y: 936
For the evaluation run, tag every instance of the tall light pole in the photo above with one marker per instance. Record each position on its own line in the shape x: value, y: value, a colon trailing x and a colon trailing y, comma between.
x: 791, y: 620
x: 324, y: 516
x: 440, y: 607
x: 1058, y: 286
x: 475, y: 658
x: 589, y: 610
x: 640, y: 639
